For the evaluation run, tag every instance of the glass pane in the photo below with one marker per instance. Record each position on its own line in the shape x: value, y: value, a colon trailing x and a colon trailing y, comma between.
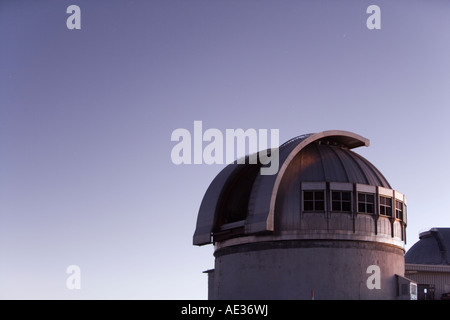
x: 370, y: 208
x: 370, y: 198
x: 308, y: 195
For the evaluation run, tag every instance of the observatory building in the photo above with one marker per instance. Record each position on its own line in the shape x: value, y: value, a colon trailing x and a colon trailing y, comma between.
x: 328, y: 225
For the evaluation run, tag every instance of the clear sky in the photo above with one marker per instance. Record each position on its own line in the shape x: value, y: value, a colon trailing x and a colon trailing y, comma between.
x: 86, y: 117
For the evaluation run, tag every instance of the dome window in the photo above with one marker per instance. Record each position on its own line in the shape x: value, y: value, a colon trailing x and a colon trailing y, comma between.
x: 313, y: 201
x: 341, y: 201
x: 399, y: 209
x: 385, y: 206
x: 366, y: 202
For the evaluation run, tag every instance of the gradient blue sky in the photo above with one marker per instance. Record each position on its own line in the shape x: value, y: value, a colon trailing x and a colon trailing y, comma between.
x: 86, y: 118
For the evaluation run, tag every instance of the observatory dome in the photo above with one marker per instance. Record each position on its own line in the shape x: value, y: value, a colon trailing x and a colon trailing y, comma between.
x: 432, y: 248
x: 322, y: 190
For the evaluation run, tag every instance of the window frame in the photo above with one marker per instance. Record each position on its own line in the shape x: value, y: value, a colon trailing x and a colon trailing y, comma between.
x: 366, y: 202
x: 314, y: 201
x: 397, y: 210
x: 382, y: 207
x: 341, y: 201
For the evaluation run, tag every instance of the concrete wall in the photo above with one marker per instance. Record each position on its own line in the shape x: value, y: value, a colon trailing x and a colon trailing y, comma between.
x: 293, y: 269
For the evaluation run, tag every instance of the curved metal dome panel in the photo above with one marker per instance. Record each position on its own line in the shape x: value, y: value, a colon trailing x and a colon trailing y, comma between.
x: 321, y: 162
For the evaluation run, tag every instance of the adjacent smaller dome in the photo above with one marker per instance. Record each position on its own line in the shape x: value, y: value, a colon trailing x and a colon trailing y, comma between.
x: 432, y: 248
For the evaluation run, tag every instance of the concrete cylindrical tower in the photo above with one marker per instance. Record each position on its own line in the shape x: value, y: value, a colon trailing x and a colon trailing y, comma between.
x: 327, y: 226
